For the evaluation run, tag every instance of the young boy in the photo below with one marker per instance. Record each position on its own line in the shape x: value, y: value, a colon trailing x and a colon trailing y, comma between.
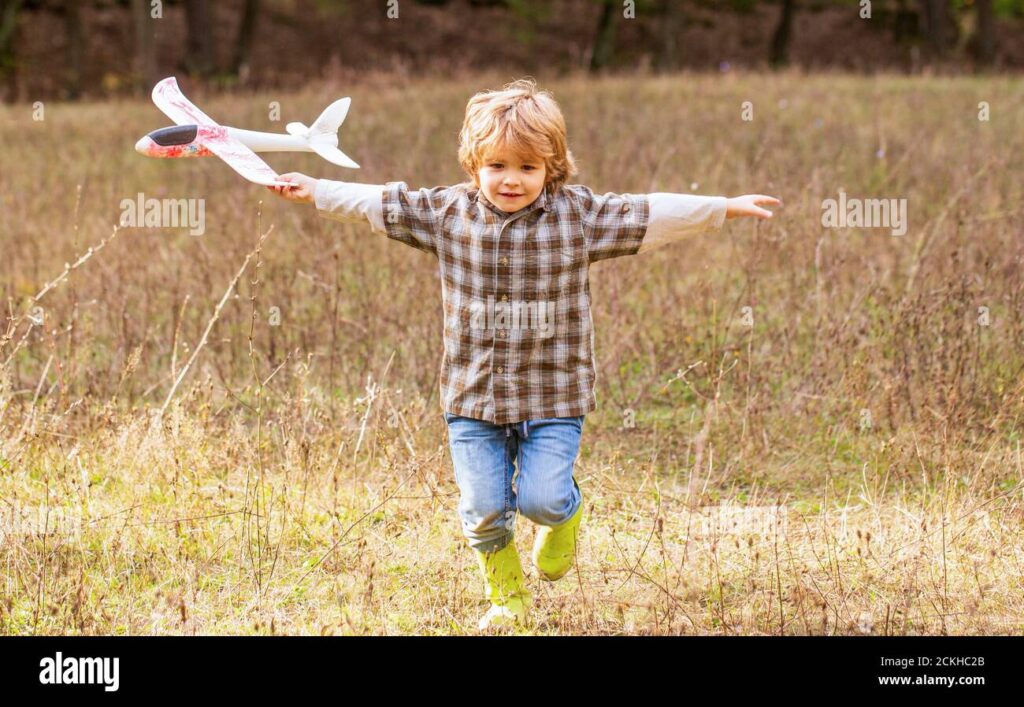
x: 517, y: 376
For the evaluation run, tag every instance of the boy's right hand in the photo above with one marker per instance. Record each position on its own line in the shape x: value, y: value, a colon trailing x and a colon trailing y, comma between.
x: 750, y: 205
x: 302, y: 188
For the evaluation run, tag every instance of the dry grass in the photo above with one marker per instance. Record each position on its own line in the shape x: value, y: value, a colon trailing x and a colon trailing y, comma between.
x: 298, y: 481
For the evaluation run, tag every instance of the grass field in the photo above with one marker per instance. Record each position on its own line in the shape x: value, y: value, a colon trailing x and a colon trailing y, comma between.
x: 842, y: 458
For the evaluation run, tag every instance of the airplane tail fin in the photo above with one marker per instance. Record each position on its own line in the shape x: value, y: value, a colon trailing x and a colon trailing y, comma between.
x: 323, y: 134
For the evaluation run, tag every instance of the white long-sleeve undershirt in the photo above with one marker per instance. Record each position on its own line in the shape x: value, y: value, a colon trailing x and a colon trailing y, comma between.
x: 672, y: 216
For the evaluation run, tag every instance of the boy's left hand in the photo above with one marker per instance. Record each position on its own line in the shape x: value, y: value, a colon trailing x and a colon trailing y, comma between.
x: 303, y: 188
x: 748, y: 205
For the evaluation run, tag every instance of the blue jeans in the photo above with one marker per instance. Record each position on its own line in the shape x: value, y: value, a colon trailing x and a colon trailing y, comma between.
x: 522, y: 466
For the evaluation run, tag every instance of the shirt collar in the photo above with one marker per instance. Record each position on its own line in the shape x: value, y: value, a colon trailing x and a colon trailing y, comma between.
x: 544, y: 201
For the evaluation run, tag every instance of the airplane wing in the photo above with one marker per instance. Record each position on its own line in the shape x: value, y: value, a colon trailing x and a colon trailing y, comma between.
x: 243, y: 160
x: 169, y: 99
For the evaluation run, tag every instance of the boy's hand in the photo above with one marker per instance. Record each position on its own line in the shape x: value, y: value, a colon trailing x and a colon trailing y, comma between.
x: 302, y: 188
x: 748, y: 205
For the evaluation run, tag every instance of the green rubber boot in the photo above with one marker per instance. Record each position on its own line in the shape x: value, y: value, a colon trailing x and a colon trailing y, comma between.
x: 555, y: 547
x: 505, y: 587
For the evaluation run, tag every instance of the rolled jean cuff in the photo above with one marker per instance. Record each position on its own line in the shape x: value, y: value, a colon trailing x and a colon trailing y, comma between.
x: 492, y: 545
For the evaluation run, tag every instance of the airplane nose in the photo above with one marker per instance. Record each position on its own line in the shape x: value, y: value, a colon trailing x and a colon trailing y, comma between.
x: 144, y: 145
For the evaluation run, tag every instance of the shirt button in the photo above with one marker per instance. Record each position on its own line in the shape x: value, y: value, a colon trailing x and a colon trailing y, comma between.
x: 501, y: 332
x: 500, y: 369
x: 504, y: 298
x: 625, y: 208
x: 504, y: 261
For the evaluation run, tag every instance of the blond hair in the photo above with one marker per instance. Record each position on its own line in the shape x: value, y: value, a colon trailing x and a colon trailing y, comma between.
x: 519, y: 118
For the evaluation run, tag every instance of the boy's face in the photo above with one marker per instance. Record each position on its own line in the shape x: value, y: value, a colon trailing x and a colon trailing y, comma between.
x: 510, y: 182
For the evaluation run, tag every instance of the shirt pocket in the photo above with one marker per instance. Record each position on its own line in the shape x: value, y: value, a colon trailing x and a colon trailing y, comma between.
x: 554, y: 263
x: 553, y: 280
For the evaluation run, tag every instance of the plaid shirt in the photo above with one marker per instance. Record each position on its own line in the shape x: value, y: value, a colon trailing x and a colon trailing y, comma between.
x: 518, y: 331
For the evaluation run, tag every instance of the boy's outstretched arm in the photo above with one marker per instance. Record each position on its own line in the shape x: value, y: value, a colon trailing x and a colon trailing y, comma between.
x: 615, y: 225
x: 677, y: 216
x: 413, y: 215
x: 349, y: 202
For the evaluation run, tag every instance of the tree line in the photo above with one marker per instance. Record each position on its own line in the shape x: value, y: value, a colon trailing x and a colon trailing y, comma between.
x: 945, y: 29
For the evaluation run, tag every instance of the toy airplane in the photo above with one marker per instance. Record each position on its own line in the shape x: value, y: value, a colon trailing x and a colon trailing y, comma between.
x: 197, y: 135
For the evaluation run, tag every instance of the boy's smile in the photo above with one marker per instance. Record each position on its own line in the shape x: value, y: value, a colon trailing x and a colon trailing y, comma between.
x: 510, y: 182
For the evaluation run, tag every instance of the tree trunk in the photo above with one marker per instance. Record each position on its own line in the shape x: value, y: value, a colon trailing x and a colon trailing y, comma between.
x: 75, y: 55
x: 985, y: 39
x: 243, y: 44
x: 783, y: 32
x: 8, y: 29
x: 199, y: 41
x: 145, y: 46
x: 604, y: 44
x: 938, y: 24
x: 672, y: 20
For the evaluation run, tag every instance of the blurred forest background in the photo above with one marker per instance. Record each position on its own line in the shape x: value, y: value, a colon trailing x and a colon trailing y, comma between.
x: 74, y: 48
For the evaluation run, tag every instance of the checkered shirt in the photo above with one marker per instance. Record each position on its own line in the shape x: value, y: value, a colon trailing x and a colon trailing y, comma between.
x: 515, y: 287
